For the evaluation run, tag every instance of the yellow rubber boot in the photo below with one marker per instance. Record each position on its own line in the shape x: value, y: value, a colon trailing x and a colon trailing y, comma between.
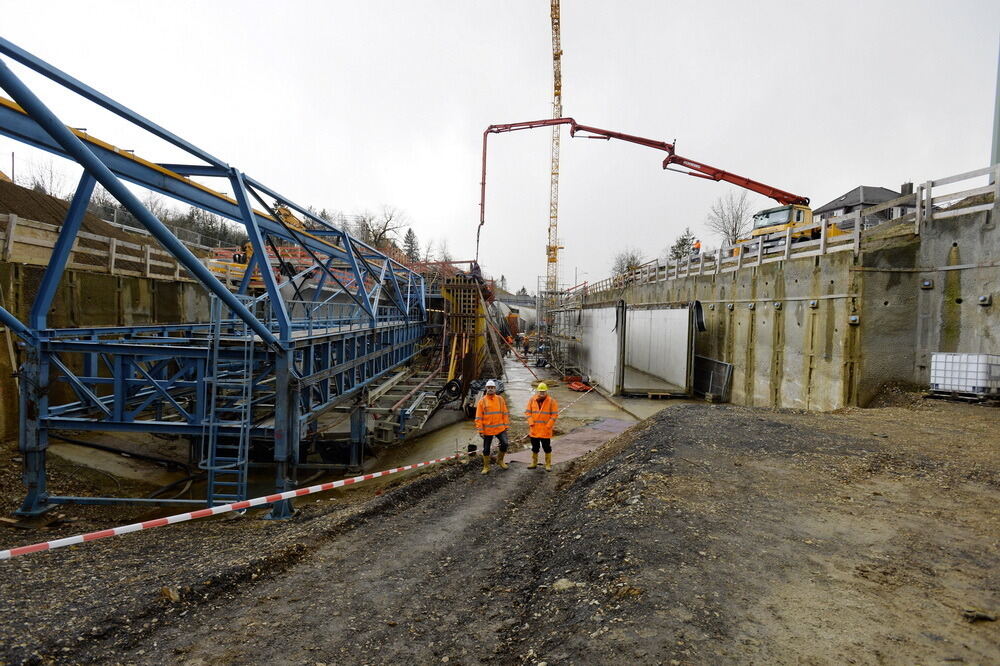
x: 500, y: 461
x: 548, y: 462
x: 486, y: 464
x: 534, y: 461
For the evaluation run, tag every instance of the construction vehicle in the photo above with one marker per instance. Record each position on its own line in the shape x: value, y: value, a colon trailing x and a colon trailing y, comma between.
x: 794, y: 210
x: 773, y: 223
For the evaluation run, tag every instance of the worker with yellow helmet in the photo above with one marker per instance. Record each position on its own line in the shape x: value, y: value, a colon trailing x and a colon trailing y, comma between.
x: 542, y: 412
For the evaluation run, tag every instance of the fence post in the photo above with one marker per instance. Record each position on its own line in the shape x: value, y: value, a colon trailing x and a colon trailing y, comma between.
x: 857, y: 236
x: 8, y: 245
x: 822, y: 237
x: 146, y: 250
x: 929, y: 202
x: 918, y: 210
x: 760, y: 249
x: 788, y: 242
x: 739, y: 257
x: 996, y: 191
x: 112, y: 255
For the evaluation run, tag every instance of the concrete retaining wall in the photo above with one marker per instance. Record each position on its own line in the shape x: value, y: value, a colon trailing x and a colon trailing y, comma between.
x: 91, y: 299
x: 826, y: 332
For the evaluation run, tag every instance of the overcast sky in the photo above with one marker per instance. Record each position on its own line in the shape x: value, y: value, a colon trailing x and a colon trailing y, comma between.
x: 352, y: 105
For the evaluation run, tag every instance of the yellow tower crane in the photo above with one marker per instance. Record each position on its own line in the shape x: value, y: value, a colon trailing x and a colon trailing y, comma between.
x: 553, y: 247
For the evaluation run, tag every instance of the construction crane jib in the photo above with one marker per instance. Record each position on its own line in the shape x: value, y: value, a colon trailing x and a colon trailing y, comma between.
x: 552, y: 248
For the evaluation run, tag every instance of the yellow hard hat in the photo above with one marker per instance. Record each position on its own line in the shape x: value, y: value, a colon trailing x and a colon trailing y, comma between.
x: 542, y: 386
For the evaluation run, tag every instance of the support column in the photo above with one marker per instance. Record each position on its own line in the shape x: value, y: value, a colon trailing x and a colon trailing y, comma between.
x: 286, y: 445
x: 32, y: 438
x: 359, y: 434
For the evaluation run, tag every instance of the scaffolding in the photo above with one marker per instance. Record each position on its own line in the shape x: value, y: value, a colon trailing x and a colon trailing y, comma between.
x: 269, y: 362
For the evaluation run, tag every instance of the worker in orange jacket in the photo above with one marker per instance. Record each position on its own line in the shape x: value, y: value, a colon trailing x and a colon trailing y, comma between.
x: 542, y: 412
x: 492, y: 420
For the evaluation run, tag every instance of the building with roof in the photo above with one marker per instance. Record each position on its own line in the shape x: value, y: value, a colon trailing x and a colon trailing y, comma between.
x: 866, y: 196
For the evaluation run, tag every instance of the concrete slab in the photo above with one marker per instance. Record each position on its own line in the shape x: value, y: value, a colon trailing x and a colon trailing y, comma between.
x: 578, y: 442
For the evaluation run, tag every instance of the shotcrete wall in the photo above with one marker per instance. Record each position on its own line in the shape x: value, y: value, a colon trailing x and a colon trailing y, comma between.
x: 827, y: 332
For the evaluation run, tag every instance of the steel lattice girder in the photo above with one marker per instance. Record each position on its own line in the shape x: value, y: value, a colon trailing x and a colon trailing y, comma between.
x: 329, y: 369
x: 307, y: 358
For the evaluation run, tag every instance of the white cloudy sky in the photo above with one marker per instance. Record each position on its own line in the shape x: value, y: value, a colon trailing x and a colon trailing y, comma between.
x: 351, y: 105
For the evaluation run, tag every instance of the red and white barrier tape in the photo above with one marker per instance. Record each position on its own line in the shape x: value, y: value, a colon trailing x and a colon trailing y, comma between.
x: 214, y: 511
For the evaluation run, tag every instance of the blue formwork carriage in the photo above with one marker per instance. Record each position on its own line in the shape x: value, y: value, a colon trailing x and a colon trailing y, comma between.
x: 264, y: 367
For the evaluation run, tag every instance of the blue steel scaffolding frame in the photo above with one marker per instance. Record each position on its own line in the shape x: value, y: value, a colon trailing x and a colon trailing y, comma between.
x: 265, y: 367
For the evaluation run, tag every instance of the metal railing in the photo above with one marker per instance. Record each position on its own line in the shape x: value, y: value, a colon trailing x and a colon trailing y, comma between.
x: 837, y: 234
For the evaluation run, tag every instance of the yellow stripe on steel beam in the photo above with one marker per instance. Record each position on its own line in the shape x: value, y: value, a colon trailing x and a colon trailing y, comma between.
x: 127, y: 154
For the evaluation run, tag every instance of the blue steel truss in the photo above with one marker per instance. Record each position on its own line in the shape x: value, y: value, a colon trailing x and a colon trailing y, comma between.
x: 265, y: 368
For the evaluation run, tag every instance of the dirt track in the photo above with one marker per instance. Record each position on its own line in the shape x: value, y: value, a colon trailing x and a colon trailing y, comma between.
x: 703, y: 535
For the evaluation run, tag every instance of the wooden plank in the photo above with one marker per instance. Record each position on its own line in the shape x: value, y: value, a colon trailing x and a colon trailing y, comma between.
x: 967, y: 210
x: 146, y: 252
x: 985, y: 189
x: 918, y: 212
x: 905, y: 200
x: 928, y: 204
x: 9, y: 241
x: 962, y: 176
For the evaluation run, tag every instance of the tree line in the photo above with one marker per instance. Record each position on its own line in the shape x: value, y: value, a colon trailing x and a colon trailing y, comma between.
x: 729, y: 218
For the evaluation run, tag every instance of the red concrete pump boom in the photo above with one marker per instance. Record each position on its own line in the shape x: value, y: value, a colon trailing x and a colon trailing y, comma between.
x: 690, y: 167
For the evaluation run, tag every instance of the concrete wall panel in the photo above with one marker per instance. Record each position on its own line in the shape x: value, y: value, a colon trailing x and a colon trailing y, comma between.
x: 658, y: 341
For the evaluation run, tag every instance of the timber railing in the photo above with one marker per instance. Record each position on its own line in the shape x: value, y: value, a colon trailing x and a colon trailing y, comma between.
x: 843, y: 233
x: 30, y: 242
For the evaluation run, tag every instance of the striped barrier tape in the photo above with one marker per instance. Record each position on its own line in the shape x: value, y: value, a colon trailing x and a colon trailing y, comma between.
x: 214, y: 511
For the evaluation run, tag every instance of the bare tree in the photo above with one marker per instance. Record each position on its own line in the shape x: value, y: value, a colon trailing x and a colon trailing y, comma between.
x: 443, y: 253
x: 730, y: 217
x: 44, y: 177
x: 361, y: 228
x: 154, y: 204
x: 379, y: 230
x: 627, y: 260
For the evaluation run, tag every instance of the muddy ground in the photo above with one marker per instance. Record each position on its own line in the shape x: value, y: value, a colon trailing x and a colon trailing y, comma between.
x: 704, y: 534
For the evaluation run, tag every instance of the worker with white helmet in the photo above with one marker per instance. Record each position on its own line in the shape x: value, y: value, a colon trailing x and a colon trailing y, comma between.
x: 542, y: 412
x: 492, y: 420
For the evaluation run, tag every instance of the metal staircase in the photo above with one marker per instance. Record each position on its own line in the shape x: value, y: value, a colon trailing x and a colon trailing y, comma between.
x: 229, y: 382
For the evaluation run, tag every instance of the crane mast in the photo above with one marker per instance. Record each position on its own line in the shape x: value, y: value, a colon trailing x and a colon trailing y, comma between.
x: 552, y: 248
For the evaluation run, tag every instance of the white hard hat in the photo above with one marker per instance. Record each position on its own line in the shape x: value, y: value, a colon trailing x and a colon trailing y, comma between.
x: 491, y: 383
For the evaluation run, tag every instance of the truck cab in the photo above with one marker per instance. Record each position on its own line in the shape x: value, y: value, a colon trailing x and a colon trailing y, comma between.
x: 776, y: 220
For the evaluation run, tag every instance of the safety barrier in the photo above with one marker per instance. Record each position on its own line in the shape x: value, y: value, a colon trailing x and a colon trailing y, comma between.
x: 836, y: 234
x: 214, y: 511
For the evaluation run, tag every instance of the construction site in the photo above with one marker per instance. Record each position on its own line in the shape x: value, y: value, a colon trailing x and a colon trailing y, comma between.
x: 273, y: 444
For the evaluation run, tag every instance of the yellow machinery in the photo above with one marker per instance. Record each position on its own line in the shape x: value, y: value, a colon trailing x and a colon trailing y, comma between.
x: 775, y: 221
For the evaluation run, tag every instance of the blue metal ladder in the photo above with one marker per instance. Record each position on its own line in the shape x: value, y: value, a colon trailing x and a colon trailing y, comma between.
x: 230, y: 394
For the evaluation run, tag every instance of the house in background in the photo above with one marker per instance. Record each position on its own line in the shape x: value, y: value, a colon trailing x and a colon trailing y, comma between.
x: 866, y: 196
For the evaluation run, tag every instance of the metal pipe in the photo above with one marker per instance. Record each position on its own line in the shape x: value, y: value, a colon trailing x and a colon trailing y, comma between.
x: 37, y: 110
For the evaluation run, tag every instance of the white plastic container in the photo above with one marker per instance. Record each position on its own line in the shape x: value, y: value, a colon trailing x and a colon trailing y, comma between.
x: 966, y: 373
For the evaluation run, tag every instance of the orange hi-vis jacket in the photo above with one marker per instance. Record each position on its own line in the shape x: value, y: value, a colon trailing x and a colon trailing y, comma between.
x: 492, y: 417
x: 541, y: 418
